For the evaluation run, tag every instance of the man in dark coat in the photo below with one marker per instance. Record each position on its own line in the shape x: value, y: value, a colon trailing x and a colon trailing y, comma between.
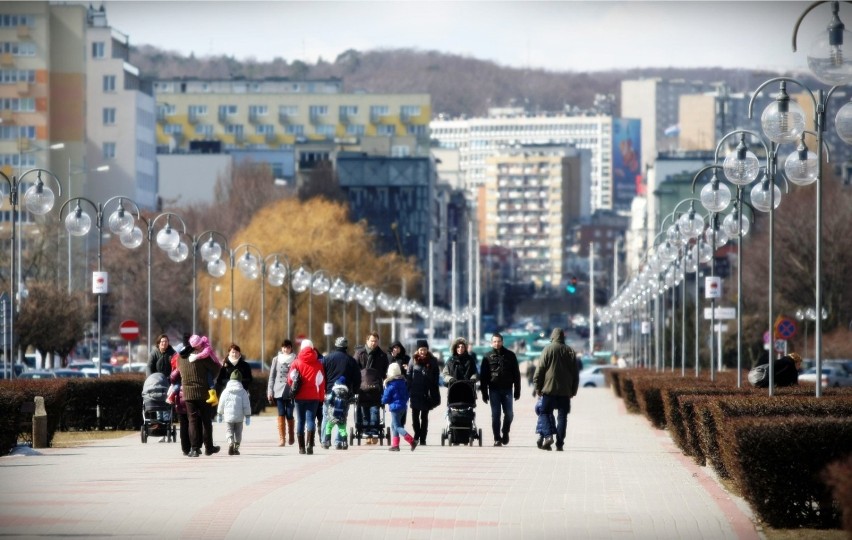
x: 371, y: 357
x: 556, y: 380
x: 500, y: 381
x: 338, y: 364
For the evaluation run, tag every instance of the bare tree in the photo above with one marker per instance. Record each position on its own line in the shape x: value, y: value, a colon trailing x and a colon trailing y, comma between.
x: 51, y: 320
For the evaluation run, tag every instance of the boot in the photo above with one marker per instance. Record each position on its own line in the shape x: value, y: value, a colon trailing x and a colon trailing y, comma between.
x: 237, y: 449
x: 394, y: 444
x: 410, y: 440
x: 311, y: 442
x: 301, y: 437
x: 231, y: 449
x: 291, y: 426
x: 281, y: 428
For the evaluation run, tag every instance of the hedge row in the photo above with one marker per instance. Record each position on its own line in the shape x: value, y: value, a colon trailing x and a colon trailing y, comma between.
x: 113, y: 402
x: 790, y: 454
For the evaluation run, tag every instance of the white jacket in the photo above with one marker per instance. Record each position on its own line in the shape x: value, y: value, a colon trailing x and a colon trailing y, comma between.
x: 234, y: 403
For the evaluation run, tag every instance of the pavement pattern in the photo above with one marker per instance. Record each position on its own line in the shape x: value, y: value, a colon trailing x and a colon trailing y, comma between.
x: 619, y: 478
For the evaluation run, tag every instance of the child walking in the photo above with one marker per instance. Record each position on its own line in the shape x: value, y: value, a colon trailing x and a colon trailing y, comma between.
x: 545, y: 426
x: 337, y: 411
x: 234, y: 406
x: 395, y: 397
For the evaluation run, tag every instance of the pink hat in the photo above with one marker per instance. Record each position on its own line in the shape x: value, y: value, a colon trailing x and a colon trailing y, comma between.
x: 196, y: 341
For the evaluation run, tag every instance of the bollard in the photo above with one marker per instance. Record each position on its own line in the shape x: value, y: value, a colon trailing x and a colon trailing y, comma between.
x: 39, y: 424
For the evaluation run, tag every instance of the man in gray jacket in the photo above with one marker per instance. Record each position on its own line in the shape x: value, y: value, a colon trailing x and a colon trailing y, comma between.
x: 556, y: 380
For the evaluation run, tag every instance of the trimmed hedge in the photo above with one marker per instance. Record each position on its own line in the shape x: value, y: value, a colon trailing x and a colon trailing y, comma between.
x: 838, y: 476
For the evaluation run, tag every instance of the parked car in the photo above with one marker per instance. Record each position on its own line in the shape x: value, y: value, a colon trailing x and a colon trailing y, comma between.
x: 92, y: 372
x: 134, y: 367
x: 68, y: 373
x: 832, y: 375
x: 83, y: 365
x: 593, y: 377
x: 38, y: 374
x: 255, y: 365
x: 845, y: 364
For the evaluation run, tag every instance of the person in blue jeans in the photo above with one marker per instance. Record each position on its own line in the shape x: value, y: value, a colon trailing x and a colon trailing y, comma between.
x: 500, y: 383
x: 556, y: 380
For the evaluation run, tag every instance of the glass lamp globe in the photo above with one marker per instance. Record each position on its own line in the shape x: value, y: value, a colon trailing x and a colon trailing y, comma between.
x: 384, y: 302
x: 741, y: 171
x: 843, y: 123
x: 719, y: 236
x: 253, y: 275
x: 275, y: 278
x: 39, y: 199
x: 248, y: 264
x: 180, y: 253
x: 210, y: 250
x: 729, y: 224
x: 213, y: 313
x: 78, y: 223
x: 760, y: 196
x: 801, y: 166
x: 667, y: 253
x: 367, y: 297
x: 133, y: 239
x: 121, y: 221
x: 216, y: 268
x: 168, y: 238
x: 704, y: 253
x: 352, y: 293
x: 301, y: 280
x: 830, y: 57
x: 321, y: 284
x: 783, y: 121
x: 691, y: 225
x: 691, y: 261
x: 338, y: 289
x: 715, y: 196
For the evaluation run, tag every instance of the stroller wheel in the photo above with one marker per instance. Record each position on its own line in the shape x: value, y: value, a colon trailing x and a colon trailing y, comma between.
x: 443, y: 438
x: 351, y: 435
x: 479, y: 436
x: 144, y: 435
x: 388, y: 435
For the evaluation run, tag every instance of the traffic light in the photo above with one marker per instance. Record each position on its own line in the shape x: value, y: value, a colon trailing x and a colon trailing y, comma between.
x: 572, y: 285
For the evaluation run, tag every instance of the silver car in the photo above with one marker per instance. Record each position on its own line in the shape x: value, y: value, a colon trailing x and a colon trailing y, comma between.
x: 832, y: 375
x: 593, y: 377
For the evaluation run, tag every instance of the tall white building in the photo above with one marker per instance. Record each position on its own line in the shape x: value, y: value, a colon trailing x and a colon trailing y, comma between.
x: 477, y: 139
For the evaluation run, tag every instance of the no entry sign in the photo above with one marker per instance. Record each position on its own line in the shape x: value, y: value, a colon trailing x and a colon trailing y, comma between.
x: 129, y: 330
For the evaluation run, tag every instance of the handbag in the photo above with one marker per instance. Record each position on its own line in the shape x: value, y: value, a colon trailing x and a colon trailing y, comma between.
x: 294, y: 383
x: 759, y: 376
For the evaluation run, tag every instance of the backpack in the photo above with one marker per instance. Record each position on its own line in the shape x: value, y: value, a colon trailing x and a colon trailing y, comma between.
x: 759, y: 376
x: 339, y: 405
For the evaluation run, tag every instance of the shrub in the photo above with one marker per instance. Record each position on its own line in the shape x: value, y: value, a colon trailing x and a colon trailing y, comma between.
x: 838, y: 476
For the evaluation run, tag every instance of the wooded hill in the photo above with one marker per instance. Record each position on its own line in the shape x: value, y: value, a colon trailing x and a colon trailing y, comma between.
x: 459, y: 85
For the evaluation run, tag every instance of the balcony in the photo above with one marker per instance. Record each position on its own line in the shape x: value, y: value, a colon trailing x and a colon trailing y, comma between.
x: 6, y: 59
x: 286, y: 118
x: 257, y: 118
x: 225, y: 118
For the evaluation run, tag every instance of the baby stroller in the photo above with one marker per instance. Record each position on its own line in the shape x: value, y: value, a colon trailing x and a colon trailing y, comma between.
x: 461, y: 415
x: 156, y: 413
x: 369, y: 395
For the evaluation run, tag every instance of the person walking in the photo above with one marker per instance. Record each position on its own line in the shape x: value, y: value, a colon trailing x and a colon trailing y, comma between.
x: 500, y: 381
x: 556, y: 380
x: 235, y: 361
x: 461, y: 366
x: 160, y: 360
x: 338, y: 364
x: 398, y: 355
x: 234, y: 406
x: 369, y: 396
x: 395, y: 397
x: 308, y: 376
x: 197, y: 374
x: 275, y: 392
x: 423, y: 388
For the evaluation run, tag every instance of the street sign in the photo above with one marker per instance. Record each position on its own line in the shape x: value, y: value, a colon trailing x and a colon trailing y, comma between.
x: 100, y: 283
x: 785, y: 328
x: 646, y: 327
x: 780, y: 346
x: 712, y: 287
x: 720, y: 327
x: 129, y: 330
x: 721, y: 313
x: 327, y: 329
x: 389, y: 320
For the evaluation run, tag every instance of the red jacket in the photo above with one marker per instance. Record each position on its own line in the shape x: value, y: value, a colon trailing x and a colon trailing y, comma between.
x: 312, y: 374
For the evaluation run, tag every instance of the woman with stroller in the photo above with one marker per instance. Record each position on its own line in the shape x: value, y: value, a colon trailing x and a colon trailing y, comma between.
x: 423, y: 387
x: 461, y: 366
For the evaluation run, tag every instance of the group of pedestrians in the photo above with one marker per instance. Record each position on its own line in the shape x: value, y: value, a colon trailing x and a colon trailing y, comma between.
x: 312, y: 392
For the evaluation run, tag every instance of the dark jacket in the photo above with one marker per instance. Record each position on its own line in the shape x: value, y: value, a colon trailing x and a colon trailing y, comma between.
x: 376, y: 359
x: 500, y: 370
x: 402, y: 359
x: 228, y: 368
x: 558, y: 373
x: 161, y: 362
x: 339, y: 364
x: 195, y: 376
x: 422, y: 380
x: 459, y: 368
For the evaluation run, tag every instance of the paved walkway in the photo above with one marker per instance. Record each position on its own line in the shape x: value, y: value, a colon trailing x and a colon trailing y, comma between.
x: 618, y: 479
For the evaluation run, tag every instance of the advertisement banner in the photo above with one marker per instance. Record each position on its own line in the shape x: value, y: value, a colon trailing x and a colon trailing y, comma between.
x: 626, y: 160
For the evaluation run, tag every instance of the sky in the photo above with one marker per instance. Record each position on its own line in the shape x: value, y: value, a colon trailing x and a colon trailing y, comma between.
x: 556, y: 36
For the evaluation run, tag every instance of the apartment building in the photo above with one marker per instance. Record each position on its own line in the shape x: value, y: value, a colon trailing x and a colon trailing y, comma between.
x: 477, y: 139
x: 533, y: 194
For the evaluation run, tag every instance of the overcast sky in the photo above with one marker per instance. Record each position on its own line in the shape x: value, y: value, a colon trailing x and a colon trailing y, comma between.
x: 559, y: 36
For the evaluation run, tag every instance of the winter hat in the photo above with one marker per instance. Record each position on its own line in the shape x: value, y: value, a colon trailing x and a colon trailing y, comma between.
x: 341, y: 343
x: 307, y: 344
x: 236, y: 375
x: 393, y: 371
x: 341, y: 380
x: 195, y: 341
x: 186, y: 347
x: 422, y: 343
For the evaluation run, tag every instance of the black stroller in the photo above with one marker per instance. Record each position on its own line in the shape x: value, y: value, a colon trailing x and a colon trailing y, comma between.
x: 369, y: 395
x: 156, y: 413
x: 461, y: 415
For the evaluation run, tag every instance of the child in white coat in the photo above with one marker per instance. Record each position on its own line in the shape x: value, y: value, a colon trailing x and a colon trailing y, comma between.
x: 234, y: 406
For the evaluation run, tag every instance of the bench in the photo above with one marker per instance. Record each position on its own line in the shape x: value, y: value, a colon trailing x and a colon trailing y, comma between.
x: 25, y: 422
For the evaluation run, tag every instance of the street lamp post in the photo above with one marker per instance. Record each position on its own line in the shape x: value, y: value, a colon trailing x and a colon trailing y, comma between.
x: 71, y: 172
x: 808, y: 314
x: 78, y: 223
x: 39, y: 200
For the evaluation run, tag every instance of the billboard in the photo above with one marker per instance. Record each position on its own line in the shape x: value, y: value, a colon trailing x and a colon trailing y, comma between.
x: 626, y: 160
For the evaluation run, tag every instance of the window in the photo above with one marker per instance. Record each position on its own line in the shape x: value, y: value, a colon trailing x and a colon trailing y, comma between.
x: 378, y: 111
x: 204, y: 130
x: 265, y: 129
x: 167, y: 109
x: 109, y: 116
x: 98, y: 49
x: 173, y: 129
x: 326, y: 130
x: 400, y: 151
x: 288, y: 110
x: 348, y: 111
x: 15, y: 133
x: 12, y: 76
x: 407, y: 111
x: 258, y: 110
x: 227, y: 110
x: 197, y: 110
x: 18, y: 48
x: 109, y: 83
x: 418, y: 131
x: 385, y: 131
x: 294, y: 129
x: 234, y: 129
x: 13, y: 21
x: 17, y: 104
x: 109, y: 150
x: 318, y: 110
x: 355, y: 129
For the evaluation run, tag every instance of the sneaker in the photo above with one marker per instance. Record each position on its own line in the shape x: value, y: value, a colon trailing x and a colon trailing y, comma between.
x: 194, y: 453
x: 547, y: 443
x: 498, y: 443
x: 394, y: 449
x: 505, y: 439
x: 338, y: 446
x: 539, y: 443
x: 236, y: 449
x: 327, y: 444
x: 559, y: 449
x: 211, y: 451
x: 230, y: 449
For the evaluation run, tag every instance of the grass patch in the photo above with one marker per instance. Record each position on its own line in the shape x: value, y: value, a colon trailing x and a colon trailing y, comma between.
x: 70, y: 439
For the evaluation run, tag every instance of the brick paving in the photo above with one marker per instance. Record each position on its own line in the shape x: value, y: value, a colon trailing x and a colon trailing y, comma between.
x: 618, y: 479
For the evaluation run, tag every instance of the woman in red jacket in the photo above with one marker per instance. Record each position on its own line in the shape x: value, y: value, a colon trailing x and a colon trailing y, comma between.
x: 308, y: 375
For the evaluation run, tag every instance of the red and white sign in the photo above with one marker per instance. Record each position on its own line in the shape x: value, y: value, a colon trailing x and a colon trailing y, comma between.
x: 129, y: 330
x: 712, y: 287
x: 100, y: 283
